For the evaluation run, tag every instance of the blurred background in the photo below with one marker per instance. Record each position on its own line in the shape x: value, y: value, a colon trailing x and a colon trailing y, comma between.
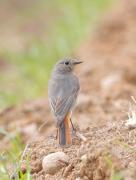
x: 34, y: 34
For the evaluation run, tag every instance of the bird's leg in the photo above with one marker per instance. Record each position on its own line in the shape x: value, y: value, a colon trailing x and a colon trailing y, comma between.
x: 56, y: 137
x: 73, y: 128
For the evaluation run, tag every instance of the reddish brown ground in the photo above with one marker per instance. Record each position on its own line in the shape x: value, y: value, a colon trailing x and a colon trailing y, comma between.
x: 108, y: 80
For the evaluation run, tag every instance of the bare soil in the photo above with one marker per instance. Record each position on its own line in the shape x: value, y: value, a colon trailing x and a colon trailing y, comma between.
x: 108, y: 80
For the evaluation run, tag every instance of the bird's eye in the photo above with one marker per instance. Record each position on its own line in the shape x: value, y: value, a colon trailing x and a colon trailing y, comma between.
x: 67, y: 63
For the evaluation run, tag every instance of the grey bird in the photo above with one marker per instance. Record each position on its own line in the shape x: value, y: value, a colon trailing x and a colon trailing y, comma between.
x: 63, y: 90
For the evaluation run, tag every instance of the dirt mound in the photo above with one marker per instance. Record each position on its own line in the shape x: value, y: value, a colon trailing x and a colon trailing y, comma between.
x: 106, y: 153
x: 108, y: 80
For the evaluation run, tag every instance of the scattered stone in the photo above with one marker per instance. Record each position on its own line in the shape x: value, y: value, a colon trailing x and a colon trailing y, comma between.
x: 78, y: 178
x: 83, y: 138
x: 131, y: 122
x: 54, y: 162
x: 84, y: 158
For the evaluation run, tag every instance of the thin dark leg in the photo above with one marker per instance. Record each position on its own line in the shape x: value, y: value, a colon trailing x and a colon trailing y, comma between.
x: 72, y: 126
x: 56, y: 137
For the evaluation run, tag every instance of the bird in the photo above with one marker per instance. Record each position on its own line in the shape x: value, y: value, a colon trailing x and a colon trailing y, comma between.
x: 63, y: 90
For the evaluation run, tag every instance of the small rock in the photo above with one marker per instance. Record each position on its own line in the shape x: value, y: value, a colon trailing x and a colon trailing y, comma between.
x: 54, y: 162
x: 78, y: 178
x: 131, y: 122
x: 84, y: 158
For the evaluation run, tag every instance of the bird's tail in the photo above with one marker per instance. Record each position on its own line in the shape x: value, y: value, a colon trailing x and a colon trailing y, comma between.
x: 64, y: 132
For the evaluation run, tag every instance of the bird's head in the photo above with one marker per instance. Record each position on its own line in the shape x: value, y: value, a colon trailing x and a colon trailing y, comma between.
x: 66, y: 65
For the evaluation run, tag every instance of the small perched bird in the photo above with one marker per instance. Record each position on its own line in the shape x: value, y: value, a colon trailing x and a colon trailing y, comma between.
x: 63, y: 91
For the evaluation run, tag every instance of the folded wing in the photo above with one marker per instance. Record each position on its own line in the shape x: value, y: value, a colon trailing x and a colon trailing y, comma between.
x: 63, y: 104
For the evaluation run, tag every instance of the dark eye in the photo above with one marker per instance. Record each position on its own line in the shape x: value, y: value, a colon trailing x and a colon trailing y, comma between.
x: 67, y: 63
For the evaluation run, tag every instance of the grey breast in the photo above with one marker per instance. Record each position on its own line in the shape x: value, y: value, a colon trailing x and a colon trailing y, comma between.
x: 63, y: 91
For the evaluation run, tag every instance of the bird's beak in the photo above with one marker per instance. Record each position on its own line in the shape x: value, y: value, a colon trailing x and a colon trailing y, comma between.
x: 77, y: 62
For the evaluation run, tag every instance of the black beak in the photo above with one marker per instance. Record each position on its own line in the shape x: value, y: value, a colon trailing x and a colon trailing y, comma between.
x: 77, y: 62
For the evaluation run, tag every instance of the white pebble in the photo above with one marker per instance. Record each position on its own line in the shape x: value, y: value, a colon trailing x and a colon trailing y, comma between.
x: 84, y: 158
x: 131, y: 123
x: 53, y: 162
x: 78, y: 178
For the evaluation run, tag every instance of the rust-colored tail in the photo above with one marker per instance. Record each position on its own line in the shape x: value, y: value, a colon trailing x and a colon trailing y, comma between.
x: 64, y: 132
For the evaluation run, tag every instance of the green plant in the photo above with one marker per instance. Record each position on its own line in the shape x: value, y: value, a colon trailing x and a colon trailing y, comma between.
x: 31, y: 67
x: 10, y: 160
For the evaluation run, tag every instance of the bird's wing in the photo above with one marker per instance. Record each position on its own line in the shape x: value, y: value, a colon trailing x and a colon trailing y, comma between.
x: 62, y: 105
